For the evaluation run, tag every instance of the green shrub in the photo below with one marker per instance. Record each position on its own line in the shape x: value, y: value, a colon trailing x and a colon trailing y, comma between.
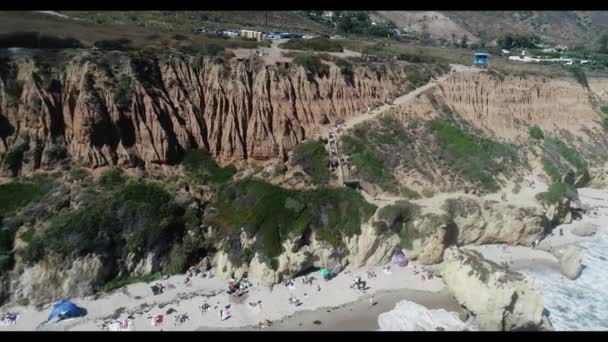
x: 13, y: 158
x: 313, y: 66
x: 395, y: 217
x: 313, y: 44
x: 133, y: 217
x: 191, y: 217
x: 604, y: 109
x: 112, y: 179
x: 123, y: 93
x: 475, y: 157
x: 200, y: 167
x: 579, y: 74
x: 557, y: 191
x: 418, y: 75
x: 274, y: 213
x: 346, y: 69
x: 551, y: 170
x: 567, y: 152
x: 536, y: 133
x: 16, y: 195
x: 313, y: 159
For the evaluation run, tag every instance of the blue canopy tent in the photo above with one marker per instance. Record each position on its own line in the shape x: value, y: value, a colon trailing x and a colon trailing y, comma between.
x: 66, y: 309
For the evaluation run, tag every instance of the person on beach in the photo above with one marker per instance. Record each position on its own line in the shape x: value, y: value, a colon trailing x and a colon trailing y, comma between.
x: 318, y: 288
x: 371, y: 301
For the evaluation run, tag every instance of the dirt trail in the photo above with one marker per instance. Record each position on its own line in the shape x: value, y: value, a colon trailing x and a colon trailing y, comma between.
x: 531, y: 186
x: 373, y: 114
x: 274, y: 54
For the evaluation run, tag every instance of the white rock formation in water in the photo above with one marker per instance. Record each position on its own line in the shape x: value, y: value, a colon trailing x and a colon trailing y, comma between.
x: 409, y: 316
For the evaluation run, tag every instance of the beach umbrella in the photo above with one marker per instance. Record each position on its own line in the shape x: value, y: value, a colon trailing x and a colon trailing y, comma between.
x: 324, y: 272
x: 400, y: 260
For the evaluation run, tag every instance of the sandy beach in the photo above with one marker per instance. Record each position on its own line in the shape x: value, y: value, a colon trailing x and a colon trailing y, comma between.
x: 138, y: 301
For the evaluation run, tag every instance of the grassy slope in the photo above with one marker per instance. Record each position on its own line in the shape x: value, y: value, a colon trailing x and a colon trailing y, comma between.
x: 89, y: 32
x: 170, y: 21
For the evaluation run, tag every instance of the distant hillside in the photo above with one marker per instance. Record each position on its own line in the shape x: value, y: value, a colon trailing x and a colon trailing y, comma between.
x: 190, y: 20
x: 559, y: 27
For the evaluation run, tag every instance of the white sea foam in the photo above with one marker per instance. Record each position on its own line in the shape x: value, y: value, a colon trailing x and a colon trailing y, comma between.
x: 581, y: 304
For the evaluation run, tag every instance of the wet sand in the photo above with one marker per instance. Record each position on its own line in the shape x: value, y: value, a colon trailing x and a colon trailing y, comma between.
x: 358, y: 315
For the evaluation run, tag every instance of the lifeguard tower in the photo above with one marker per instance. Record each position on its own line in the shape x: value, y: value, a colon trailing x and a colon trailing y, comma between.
x: 481, y: 60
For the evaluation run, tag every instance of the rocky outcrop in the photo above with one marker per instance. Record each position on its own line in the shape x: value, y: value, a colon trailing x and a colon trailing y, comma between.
x: 584, y: 229
x: 471, y: 221
x: 110, y: 108
x: 409, y: 316
x: 570, y: 262
x: 366, y: 248
x: 559, y: 212
x: 47, y: 281
x: 500, y: 299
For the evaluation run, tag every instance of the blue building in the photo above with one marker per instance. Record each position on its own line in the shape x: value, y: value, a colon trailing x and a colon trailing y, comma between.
x: 481, y: 60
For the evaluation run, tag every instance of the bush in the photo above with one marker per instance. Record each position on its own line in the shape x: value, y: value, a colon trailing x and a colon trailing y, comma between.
x: 395, y: 217
x: 123, y: 93
x: 200, y: 167
x: 373, y: 152
x: 133, y: 217
x: 536, y: 133
x: 557, y: 191
x: 13, y: 158
x: 16, y: 195
x: 579, y: 75
x: 313, y: 66
x: 418, y: 75
x: 346, y: 69
x: 475, y: 157
x: 568, y: 153
x: 551, y: 170
x: 13, y: 87
x: 313, y: 159
x: 274, y: 214
x: 313, y: 44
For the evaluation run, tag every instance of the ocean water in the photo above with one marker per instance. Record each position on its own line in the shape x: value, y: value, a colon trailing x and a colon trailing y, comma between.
x: 581, y: 304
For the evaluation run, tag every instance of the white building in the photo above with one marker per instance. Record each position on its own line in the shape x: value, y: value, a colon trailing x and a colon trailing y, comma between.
x: 251, y: 34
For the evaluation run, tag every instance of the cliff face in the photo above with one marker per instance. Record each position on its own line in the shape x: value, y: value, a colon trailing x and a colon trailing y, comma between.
x: 122, y: 110
x: 505, y: 107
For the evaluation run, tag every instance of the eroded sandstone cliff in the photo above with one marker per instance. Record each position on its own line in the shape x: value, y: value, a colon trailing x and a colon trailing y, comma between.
x: 112, y: 108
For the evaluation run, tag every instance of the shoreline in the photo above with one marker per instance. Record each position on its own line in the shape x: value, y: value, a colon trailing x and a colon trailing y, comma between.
x: 357, y: 315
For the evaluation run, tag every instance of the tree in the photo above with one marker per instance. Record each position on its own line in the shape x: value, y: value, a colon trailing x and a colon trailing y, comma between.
x: 464, y: 41
x: 604, y: 43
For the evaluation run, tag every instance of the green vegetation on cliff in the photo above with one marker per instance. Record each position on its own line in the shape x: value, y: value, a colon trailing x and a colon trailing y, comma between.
x: 199, y: 166
x: 313, y: 159
x: 275, y: 213
x: 477, y: 158
x: 536, y: 133
x: 557, y: 191
x: 375, y: 152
